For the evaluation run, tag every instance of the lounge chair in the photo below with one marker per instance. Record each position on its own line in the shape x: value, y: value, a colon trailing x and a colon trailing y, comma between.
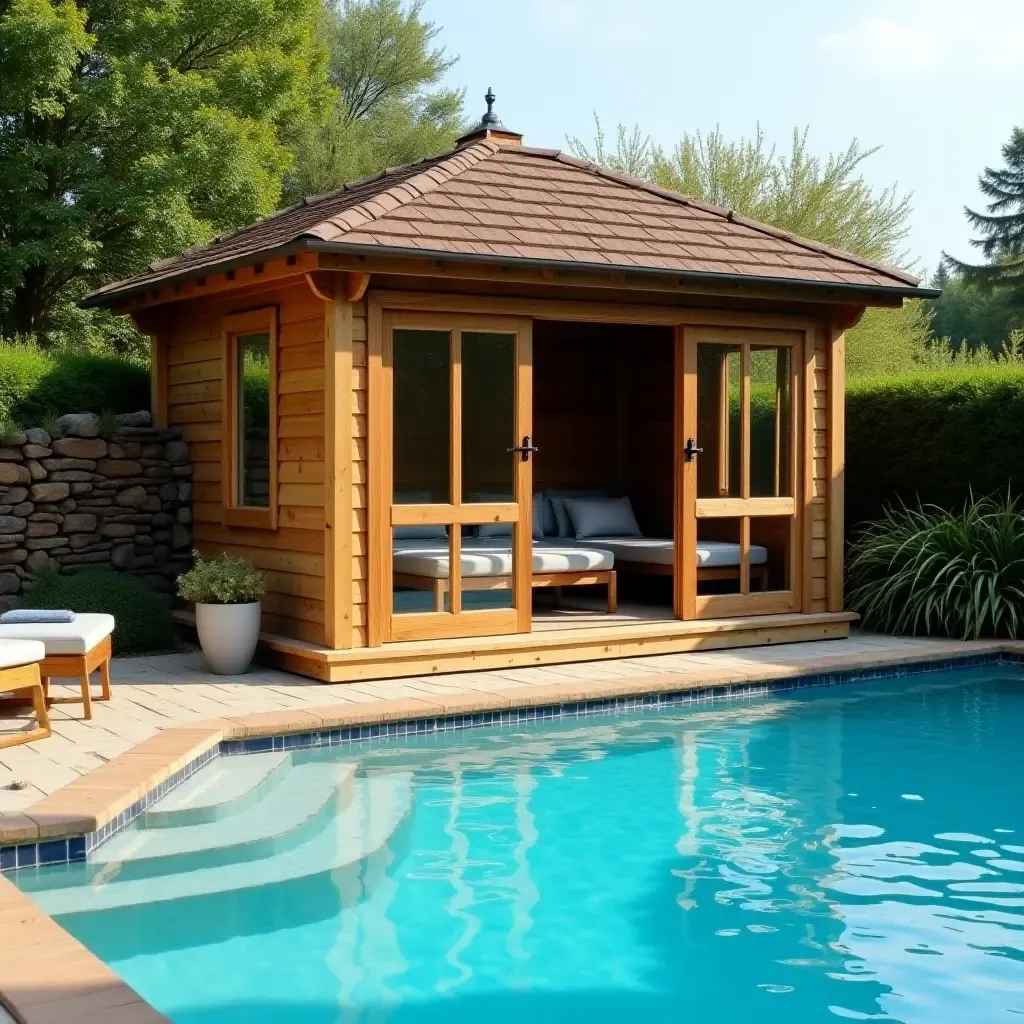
x: 19, y: 671
x: 72, y: 650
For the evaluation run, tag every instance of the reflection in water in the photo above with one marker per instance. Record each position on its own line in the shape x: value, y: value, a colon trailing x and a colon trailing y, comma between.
x: 756, y: 861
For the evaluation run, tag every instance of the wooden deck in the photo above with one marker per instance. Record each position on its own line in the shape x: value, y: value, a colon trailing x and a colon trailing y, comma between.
x: 563, y: 637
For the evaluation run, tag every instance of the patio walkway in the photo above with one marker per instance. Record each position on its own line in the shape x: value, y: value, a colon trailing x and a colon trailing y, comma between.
x: 153, y: 693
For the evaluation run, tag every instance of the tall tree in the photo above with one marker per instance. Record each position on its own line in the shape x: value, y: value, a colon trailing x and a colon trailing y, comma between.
x: 827, y: 200
x: 1002, y: 228
x: 131, y: 129
x: 389, y: 108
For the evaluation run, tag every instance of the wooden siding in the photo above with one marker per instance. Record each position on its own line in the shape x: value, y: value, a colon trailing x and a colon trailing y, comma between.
x: 293, y: 555
x: 360, y: 540
x: 819, y: 509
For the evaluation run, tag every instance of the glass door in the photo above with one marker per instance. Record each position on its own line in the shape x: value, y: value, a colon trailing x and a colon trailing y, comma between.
x: 456, y: 459
x: 741, y: 453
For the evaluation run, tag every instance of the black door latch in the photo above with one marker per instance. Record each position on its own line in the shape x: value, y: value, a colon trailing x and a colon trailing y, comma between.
x: 526, y: 449
x: 691, y: 449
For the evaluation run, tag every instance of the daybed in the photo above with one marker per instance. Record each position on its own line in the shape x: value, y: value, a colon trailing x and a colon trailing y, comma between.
x: 486, y: 564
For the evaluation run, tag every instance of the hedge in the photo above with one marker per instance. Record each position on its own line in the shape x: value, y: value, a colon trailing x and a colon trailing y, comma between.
x: 934, y: 436
x: 35, y: 383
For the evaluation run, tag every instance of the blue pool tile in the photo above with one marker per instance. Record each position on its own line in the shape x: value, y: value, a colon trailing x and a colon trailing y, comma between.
x: 76, y: 848
x: 8, y: 858
x: 54, y: 851
x: 26, y: 855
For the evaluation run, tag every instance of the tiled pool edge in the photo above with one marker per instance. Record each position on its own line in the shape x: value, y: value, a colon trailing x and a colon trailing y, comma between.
x: 110, y: 798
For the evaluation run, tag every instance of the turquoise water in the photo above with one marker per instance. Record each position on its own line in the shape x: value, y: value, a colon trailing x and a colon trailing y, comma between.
x: 851, y: 852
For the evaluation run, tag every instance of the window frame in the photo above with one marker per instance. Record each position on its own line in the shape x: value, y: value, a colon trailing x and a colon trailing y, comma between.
x: 236, y: 325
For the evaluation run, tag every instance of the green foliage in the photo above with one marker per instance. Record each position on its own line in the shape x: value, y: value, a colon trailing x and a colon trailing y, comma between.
x: 222, y: 580
x: 133, y: 129
x: 932, y: 435
x: 143, y: 620
x: 382, y: 63
x: 966, y: 314
x: 888, y: 341
x: 825, y: 200
x: 923, y: 570
x: 35, y: 383
x: 1002, y: 228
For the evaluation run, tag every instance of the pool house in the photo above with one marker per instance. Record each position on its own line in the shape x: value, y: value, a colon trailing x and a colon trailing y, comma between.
x: 503, y: 407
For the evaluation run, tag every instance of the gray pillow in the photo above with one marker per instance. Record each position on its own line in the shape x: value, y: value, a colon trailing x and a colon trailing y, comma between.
x: 430, y: 532
x: 556, y: 499
x: 602, y: 517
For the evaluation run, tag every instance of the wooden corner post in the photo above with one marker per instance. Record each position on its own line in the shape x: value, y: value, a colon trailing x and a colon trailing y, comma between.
x: 338, y: 294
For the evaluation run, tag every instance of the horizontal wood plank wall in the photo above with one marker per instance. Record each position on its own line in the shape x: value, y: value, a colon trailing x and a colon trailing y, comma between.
x: 819, y: 503
x: 360, y: 544
x: 293, y: 555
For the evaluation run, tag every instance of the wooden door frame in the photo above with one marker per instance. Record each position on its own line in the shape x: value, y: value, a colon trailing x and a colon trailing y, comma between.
x: 689, y: 508
x: 383, y: 625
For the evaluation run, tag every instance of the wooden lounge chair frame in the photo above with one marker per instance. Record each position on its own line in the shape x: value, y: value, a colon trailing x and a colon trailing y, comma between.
x: 587, y: 577
x: 26, y: 677
x: 81, y: 667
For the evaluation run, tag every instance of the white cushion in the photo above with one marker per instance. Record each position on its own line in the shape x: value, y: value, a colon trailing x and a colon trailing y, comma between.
x: 562, y: 525
x: 20, y: 652
x: 78, y: 637
x: 710, y: 553
x: 492, y: 558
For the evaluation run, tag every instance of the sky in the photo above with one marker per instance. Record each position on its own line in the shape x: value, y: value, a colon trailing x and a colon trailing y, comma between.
x: 937, y: 84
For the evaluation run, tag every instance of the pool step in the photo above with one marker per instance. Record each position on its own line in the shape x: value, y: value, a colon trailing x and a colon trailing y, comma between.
x: 305, y: 800
x: 227, y: 786
x: 379, y: 804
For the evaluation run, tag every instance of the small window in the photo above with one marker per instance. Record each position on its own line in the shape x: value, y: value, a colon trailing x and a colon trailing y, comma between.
x: 250, y: 414
x: 252, y: 437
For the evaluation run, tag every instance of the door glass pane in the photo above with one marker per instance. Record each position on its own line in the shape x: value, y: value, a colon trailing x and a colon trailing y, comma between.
x: 771, y: 422
x: 421, y: 560
x: 488, y: 416
x: 421, y: 418
x: 253, y: 437
x: 718, y: 420
x: 487, y: 555
x: 770, y: 545
x: 718, y: 556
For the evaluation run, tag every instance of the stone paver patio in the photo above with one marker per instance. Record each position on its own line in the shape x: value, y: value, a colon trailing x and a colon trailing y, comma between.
x: 153, y: 693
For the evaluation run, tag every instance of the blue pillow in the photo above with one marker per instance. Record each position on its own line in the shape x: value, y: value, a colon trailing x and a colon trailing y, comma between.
x: 602, y: 517
x: 556, y: 499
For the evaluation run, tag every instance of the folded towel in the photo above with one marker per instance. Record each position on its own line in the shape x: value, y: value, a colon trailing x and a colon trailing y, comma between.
x: 26, y: 616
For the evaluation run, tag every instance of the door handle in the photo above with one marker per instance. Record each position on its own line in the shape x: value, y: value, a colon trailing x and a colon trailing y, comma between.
x: 526, y: 449
x: 691, y: 449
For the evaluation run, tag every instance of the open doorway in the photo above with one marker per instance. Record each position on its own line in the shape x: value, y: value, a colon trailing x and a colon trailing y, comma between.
x: 604, y: 475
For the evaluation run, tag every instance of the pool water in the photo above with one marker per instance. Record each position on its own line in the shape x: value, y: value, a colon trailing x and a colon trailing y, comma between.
x: 852, y: 852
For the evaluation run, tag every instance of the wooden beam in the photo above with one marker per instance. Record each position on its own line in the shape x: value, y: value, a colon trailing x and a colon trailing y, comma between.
x: 218, y: 283
x: 338, y: 406
x: 835, y: 523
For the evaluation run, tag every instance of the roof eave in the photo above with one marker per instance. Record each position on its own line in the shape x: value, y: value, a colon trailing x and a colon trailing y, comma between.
x: 896, y: 288
x: 116, y: 297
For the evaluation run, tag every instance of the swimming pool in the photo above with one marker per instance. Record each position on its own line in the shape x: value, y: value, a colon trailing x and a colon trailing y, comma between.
x: 853, y: 851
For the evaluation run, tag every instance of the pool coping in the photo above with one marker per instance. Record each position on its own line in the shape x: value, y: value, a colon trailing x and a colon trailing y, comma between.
x: 47, y: 976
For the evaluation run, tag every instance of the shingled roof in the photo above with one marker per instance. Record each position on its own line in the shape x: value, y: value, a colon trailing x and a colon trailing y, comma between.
x: 533, y: 207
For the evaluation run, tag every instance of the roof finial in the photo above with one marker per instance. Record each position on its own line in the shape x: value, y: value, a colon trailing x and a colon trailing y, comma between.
x: 490, y: 127
x: 490, y: 117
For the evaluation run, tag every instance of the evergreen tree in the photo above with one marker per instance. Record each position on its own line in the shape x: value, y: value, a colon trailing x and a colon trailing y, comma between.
x: 1002, y: 228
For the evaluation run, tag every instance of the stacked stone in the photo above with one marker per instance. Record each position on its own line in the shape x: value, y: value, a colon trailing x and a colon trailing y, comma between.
x: 81, y: 501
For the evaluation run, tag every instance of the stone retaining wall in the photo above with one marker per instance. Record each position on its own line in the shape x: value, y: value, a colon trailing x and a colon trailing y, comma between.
x: 83, y: 501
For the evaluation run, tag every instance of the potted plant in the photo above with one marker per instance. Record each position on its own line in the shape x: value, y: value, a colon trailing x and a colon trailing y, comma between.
x: 226, y: 591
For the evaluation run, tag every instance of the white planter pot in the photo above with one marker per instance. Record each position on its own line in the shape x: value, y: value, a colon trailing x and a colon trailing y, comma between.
x: 228, y: 635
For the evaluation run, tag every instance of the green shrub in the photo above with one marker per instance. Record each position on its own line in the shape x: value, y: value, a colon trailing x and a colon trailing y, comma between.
x: 35, y: 383
x: 931, y: 437
x: 225, y: 579
x: 143, y: 620
x: 926, y: 571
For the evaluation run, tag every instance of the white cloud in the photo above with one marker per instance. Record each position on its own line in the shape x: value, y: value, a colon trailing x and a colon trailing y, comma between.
x: 946, y: 37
